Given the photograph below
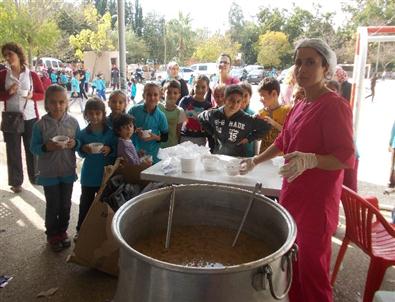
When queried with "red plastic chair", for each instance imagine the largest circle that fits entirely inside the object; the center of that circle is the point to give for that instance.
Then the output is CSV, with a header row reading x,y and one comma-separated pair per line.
x,y
367,228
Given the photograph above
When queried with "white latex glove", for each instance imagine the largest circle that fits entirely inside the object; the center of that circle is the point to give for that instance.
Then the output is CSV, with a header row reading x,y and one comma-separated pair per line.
x,y
298,162
246,165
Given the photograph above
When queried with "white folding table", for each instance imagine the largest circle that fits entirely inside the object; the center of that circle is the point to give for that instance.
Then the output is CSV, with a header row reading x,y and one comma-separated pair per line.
x,y
265,173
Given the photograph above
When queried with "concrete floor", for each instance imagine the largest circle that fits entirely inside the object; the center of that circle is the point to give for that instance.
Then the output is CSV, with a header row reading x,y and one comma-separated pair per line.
x,y
35,268
25,256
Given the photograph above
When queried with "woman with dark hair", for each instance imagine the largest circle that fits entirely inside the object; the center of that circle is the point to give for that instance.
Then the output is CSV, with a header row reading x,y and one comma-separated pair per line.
x,y
224,63
341,77
20,88
317,143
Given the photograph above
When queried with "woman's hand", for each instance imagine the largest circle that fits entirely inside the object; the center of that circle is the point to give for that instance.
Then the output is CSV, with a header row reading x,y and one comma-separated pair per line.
x,y
29,95
298,162
105,150
13,89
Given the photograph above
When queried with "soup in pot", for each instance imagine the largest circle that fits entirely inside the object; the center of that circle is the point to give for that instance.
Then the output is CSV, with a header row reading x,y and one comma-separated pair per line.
x,y
202,246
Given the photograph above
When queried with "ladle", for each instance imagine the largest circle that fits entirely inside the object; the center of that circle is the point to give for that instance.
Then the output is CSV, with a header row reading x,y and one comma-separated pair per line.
x,y
170,217
257,188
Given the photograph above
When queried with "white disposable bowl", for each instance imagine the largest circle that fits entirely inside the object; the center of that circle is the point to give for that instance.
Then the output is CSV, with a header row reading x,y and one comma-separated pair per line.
x,y
188,164
61,140
96,147
232,167
146,133
146,158
278,161
210,163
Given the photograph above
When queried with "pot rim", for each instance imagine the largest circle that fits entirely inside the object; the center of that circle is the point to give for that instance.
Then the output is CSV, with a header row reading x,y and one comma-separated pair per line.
x,y
202,270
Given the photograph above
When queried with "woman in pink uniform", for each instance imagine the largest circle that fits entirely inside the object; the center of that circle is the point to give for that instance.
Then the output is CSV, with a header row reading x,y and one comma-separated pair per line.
x,y
317,142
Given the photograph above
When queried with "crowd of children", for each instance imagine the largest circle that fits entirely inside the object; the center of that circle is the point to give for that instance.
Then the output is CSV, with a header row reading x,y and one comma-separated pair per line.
x,y
220,117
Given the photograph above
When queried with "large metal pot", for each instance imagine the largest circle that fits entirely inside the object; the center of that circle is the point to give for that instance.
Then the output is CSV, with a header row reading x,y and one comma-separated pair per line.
x,y
144,279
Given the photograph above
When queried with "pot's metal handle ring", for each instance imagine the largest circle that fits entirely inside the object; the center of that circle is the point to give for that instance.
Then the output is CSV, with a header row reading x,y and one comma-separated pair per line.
x,y
289,258
267,272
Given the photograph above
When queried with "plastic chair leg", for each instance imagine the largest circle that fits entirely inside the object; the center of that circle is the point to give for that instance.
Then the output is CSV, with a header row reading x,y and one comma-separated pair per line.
x,y
339,259
377,268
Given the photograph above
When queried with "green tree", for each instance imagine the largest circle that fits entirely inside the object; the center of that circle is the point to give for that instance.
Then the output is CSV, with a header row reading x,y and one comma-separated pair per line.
x,y
136,49
367,13
154,27
138,22
129,14
210,49
247,38
101,6
235,18
97,38
297,23
370,13
180,43
272,48
244,32
113,10
30,24
71,20
271,19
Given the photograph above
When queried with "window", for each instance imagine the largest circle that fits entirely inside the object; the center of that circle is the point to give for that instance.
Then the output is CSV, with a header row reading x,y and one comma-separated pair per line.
x,y
203,67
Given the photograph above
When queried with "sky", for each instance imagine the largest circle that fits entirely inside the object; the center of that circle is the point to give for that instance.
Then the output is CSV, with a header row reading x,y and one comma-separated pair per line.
x,y
213,14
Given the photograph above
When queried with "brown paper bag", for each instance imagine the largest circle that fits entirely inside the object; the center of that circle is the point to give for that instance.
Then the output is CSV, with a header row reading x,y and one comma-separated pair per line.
x,y
96,246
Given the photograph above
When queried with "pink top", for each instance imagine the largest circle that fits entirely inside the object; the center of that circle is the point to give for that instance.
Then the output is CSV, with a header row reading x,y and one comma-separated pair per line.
x,y
322,127
231,80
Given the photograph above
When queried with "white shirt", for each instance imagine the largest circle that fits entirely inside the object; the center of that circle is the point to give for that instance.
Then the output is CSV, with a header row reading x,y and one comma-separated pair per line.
x,y
16,102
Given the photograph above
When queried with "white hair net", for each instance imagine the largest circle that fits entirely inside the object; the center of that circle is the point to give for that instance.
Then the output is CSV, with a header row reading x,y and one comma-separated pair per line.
x,y
171,64
323,49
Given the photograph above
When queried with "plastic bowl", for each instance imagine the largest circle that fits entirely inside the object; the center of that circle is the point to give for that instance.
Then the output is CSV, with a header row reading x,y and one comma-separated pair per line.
x,y
210,163
188,164
146,133
61,140
96,147
232,167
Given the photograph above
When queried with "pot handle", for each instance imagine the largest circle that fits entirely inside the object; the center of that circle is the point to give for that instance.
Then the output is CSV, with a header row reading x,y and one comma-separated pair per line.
x,y
266,272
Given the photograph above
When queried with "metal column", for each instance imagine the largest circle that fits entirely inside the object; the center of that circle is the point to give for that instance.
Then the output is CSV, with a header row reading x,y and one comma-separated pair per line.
x,y
122,44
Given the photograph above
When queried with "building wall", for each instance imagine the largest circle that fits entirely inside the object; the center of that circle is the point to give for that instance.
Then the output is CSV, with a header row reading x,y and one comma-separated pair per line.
x,y
101,64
